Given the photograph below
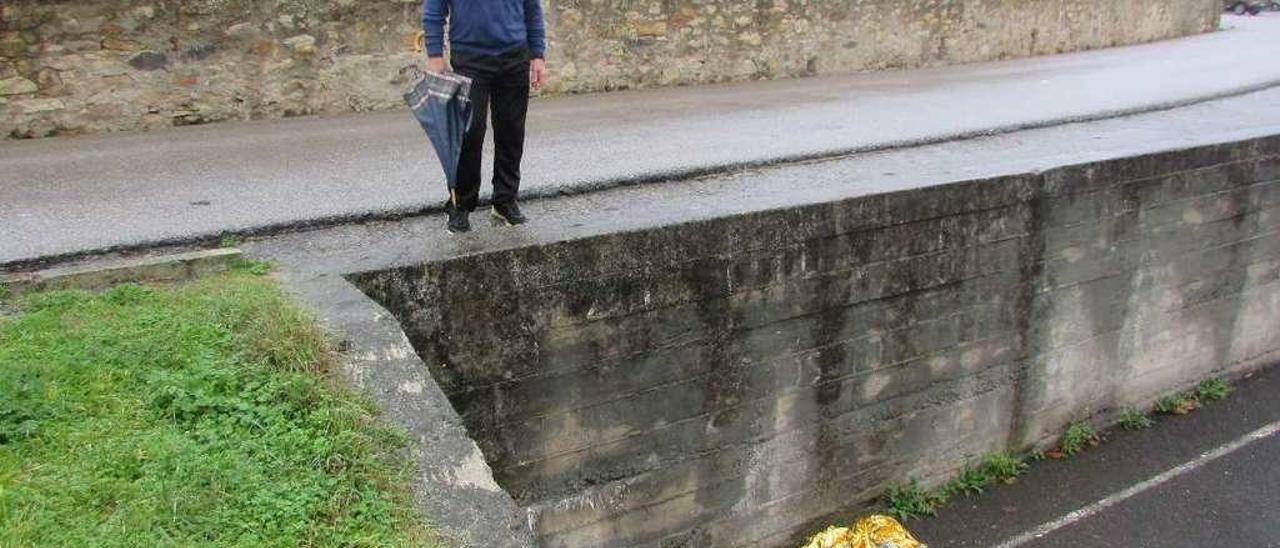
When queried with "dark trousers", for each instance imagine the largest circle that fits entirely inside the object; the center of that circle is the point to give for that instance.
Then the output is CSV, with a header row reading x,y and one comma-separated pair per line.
x,y
500,84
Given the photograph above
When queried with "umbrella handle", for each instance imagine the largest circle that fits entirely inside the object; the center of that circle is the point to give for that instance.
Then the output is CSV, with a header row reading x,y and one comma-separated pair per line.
x,y
420,42
415,72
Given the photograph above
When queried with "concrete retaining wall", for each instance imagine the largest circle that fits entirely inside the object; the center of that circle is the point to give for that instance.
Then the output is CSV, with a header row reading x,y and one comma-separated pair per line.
x,y
107,65
735,381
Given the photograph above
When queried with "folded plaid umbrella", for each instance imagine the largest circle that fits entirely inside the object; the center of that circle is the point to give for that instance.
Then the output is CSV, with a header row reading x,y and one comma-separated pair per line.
x,y
442,105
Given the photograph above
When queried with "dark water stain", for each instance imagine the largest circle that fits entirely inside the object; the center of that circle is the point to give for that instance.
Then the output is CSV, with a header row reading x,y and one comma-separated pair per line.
x,y
1030,275
1111,309
1237,270
724,385
722,390
829,298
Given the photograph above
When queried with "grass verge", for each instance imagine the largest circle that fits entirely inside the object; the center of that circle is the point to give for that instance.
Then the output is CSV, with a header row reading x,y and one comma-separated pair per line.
x,y
191,415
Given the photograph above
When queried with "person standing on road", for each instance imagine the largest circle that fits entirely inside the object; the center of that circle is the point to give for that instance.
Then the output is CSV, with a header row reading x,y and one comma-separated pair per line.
x,y
501,46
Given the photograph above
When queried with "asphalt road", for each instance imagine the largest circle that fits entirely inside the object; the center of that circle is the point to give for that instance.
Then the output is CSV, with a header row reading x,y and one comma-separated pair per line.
x,y
63,196
1234,501
1184,499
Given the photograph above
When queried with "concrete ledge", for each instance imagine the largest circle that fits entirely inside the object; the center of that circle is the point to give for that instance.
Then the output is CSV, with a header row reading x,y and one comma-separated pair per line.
x,y
164,268
455,488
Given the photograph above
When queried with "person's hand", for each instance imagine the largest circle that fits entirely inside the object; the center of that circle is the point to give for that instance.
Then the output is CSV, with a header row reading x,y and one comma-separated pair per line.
x,y
436,64
538,73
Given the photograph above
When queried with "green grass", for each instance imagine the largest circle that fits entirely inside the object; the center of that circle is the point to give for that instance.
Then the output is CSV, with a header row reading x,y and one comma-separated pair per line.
x,y
1077,437
254,266
910,501
196,415
1135,420
1213,389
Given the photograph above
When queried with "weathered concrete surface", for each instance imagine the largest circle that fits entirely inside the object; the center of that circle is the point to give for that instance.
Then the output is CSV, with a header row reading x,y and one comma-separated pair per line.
x,y
1024,156
56,195
159,268
454,486
77,67
728,382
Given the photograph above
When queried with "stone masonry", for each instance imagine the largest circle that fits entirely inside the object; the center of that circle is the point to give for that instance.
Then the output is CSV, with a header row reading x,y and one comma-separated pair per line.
x,y
69,67
738,381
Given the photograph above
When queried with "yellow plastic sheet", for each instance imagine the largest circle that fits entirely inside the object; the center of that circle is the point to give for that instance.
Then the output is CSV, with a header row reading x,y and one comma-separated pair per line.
x,y
870,532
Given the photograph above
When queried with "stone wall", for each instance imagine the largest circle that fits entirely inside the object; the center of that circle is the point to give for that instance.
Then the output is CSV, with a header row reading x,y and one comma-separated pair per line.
x,y
105,65
738,380
619,44
74,67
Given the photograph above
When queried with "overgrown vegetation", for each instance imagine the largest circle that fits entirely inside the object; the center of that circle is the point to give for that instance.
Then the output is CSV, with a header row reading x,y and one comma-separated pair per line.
x,y
193,415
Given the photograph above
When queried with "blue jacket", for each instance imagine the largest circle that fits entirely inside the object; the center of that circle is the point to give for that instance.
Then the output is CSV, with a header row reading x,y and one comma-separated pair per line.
x,y
489,27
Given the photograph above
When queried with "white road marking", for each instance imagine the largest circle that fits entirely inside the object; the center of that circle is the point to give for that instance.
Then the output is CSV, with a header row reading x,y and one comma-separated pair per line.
x,y
1116,498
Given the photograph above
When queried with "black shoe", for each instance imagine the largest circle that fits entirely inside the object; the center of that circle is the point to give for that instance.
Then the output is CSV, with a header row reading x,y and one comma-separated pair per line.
x,y
458,221
509,213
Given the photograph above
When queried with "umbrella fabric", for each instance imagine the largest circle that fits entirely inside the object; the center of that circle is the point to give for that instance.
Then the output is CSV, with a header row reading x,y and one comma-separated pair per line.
x,y
442,105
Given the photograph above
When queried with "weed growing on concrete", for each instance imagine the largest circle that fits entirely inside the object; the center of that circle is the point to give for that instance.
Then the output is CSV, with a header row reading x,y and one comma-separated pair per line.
x,y
4,293
1177,404
1213,390
1135,420
998,467
1004,467
970,481
1078,436
228,240
910,501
